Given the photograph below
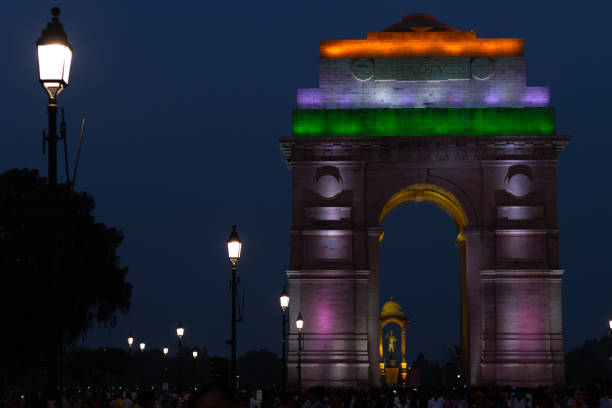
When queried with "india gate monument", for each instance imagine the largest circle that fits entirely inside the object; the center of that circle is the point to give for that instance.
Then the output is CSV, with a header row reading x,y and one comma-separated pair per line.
x,y
422,111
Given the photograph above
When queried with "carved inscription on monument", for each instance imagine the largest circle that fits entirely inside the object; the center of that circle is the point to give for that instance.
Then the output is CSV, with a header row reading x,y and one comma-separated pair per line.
x,y
421,69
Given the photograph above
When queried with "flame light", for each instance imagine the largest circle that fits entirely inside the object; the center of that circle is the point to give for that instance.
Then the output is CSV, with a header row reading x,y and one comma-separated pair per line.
x,y
430,44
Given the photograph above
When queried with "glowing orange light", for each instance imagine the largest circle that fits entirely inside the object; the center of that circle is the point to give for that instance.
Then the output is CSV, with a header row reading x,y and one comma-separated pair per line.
x,y
404,365
422,44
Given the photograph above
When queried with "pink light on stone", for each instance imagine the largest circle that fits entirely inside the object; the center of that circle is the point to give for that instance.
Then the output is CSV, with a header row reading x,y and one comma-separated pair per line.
x,y
323,318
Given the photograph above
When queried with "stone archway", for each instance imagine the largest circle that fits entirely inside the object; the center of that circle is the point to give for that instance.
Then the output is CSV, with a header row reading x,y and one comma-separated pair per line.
x,y
445,200
426,112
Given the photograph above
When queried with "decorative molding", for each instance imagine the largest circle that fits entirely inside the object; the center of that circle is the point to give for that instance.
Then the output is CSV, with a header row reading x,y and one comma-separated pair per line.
x,y
423,148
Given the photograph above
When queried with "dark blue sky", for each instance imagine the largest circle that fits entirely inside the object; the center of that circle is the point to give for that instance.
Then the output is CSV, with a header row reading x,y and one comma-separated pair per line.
x,y
184,104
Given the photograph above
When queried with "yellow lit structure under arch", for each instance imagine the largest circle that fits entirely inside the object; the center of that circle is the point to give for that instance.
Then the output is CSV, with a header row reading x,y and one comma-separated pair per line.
x,y
431,194
392,313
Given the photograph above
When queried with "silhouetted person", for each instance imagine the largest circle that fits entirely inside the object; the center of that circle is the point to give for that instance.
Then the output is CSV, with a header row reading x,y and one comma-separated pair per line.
x,y
211,397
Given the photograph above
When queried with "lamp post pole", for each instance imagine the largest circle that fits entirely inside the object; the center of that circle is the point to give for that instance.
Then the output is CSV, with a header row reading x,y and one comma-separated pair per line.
x,y
299,323
54,58
234,248
131,364
180,331
284,302
234,368
142,365
165,369
54,341
194,353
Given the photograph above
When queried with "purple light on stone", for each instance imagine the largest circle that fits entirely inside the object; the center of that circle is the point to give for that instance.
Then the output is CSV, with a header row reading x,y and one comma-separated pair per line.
x,y
492,97
344,99
384,97
536,96
407,99
309,98
455,98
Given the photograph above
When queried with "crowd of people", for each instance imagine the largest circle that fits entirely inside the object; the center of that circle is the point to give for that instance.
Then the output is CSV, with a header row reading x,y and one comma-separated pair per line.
x,y
320,397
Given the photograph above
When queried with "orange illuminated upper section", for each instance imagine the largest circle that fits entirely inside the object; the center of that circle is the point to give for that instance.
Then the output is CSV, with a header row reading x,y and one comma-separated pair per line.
x,y
422,36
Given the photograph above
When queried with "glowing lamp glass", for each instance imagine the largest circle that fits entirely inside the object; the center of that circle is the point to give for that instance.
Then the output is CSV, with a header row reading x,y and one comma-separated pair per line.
x,y
165,351
130,341
54,66
284,300
234,246
610,323
180,331
195,354
299,323
142,346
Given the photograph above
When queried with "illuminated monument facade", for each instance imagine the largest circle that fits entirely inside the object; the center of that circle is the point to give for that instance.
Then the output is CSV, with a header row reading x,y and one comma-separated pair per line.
x,y
425,112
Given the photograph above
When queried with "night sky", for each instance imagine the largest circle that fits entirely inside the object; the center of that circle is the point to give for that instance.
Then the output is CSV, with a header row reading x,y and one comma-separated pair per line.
x,y
184,104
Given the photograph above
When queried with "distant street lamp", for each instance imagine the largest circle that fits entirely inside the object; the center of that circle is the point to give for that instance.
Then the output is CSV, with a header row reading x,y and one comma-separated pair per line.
x,y
299,324
142,349
165,369
610,329
180,331
284,303
130,343
54,58
194,353
234,248
130,340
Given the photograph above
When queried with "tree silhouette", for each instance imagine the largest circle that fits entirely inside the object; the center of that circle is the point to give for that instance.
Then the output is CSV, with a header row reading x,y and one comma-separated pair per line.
x,y
92,287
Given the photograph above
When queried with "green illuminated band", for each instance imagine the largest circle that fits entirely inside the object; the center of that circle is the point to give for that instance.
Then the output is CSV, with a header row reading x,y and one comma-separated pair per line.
x,y
424,122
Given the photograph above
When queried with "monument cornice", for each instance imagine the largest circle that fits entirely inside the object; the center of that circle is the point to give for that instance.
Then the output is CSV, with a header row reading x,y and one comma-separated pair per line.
x,y
422,148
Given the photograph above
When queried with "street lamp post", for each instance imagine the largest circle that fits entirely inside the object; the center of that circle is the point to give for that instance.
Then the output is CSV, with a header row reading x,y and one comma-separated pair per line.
x,y
131,364
299,324
194,353
180,330
130,343
284,303
165,370
54,58
142,366
234,248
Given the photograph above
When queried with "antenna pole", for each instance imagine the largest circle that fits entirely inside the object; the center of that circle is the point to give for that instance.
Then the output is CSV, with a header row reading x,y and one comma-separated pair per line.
x,y
76,163
63,137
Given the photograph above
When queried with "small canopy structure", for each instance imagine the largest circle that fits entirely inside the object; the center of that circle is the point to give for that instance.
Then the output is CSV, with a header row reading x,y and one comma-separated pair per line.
x,y
392,313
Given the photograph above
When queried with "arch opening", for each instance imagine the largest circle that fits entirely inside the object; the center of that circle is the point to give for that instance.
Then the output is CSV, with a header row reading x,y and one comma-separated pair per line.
x,y
450,204
431,194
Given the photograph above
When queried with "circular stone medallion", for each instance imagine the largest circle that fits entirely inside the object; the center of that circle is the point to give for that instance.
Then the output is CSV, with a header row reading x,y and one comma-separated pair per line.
x,y
328,186
519,185
363,69
482,68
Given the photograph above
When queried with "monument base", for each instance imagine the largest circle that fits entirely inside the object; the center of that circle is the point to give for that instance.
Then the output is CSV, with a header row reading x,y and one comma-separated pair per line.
x,y
392,375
